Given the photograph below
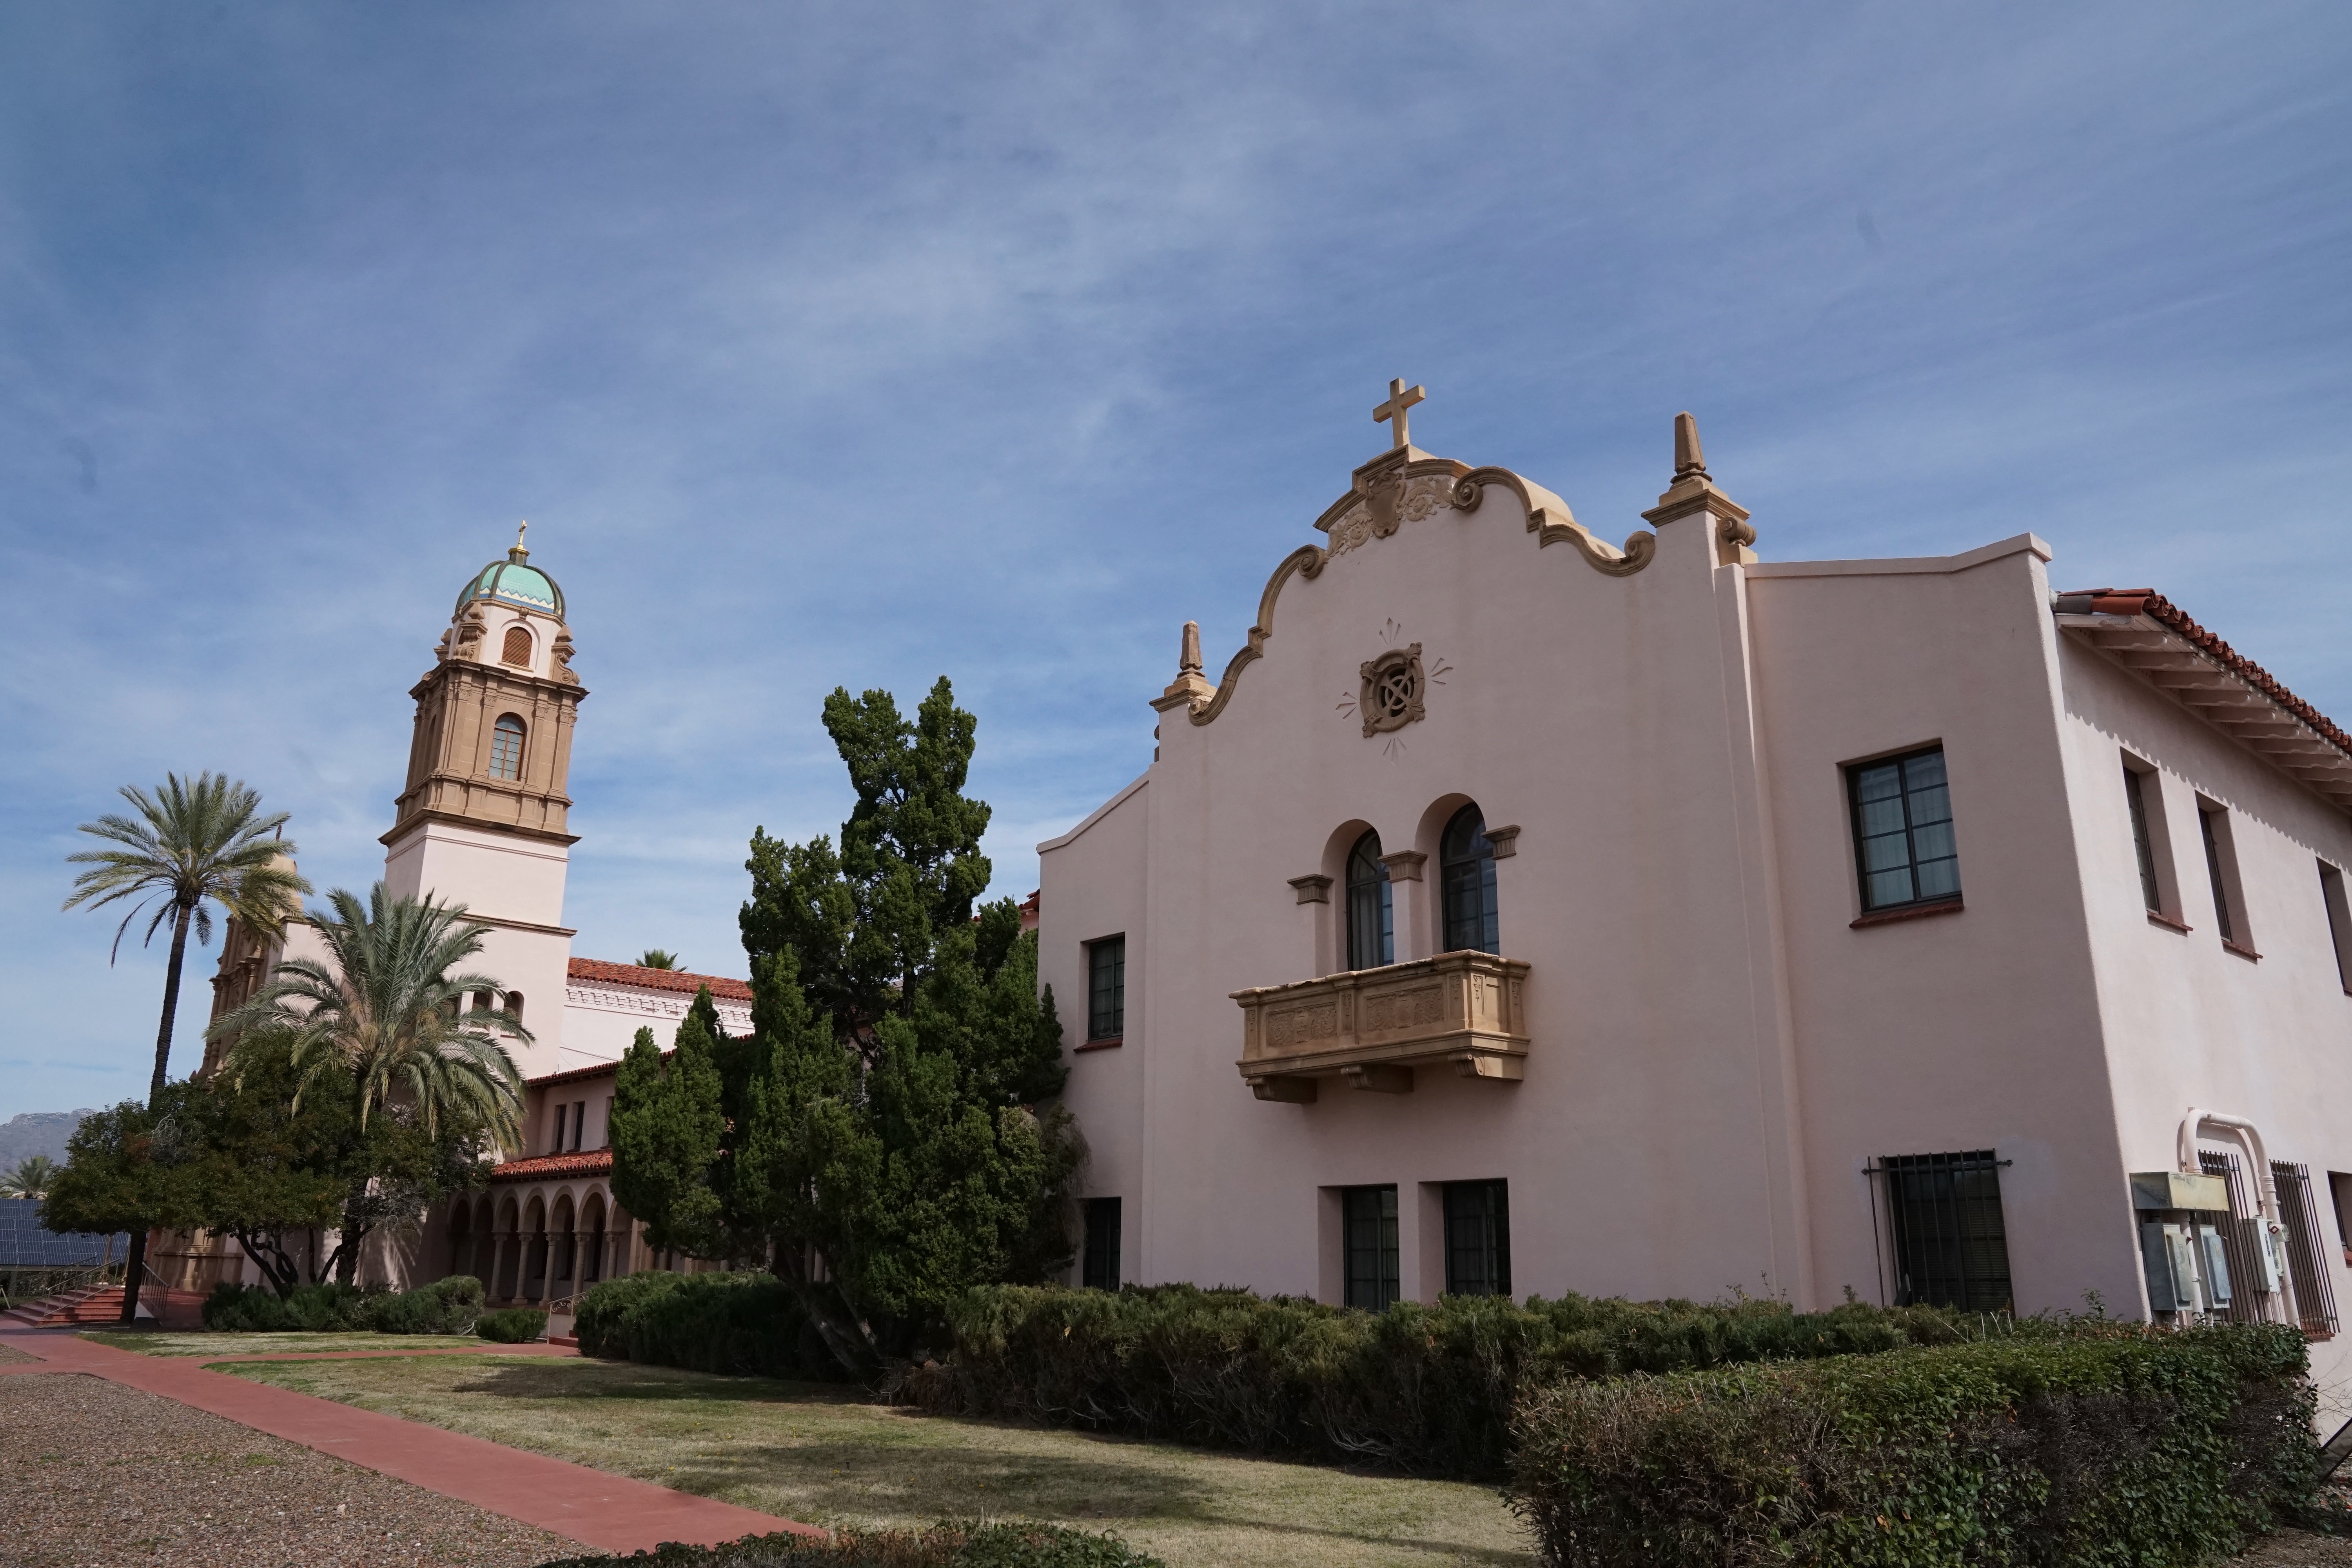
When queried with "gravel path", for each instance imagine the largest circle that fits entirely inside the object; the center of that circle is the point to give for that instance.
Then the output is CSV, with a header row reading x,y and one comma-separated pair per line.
x,y
98,1475
10,1352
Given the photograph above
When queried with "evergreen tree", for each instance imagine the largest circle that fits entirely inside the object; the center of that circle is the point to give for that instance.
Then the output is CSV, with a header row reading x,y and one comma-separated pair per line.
x,y
883,1140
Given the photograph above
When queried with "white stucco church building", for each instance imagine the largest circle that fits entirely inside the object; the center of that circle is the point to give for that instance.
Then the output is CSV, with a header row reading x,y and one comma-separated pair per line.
x,y
1524,912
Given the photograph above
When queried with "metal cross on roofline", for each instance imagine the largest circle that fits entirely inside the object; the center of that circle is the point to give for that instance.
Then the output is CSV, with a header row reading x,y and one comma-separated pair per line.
x,y
1401,398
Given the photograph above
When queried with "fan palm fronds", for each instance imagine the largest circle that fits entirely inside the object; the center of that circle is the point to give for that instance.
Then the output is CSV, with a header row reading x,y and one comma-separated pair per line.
x,y
387,1018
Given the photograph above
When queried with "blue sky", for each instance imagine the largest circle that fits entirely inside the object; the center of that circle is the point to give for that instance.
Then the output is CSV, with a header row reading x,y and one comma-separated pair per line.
x,y
855,345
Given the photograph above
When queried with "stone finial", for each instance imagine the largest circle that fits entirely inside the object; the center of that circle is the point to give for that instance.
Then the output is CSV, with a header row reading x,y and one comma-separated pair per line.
x,y
1190,689
1688,457
1693,493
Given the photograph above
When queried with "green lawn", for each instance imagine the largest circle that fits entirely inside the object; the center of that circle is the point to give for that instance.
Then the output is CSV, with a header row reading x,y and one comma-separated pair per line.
x,y
822,1455
151,1342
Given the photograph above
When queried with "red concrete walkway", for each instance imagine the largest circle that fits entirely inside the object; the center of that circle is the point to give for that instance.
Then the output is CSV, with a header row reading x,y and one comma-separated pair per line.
x,y
611,1513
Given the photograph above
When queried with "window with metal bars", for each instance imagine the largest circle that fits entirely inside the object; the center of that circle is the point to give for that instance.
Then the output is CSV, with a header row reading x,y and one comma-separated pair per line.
x,y
1100,1271
2314,1298
1945,1241
1107,988
1369,1218
1477,1239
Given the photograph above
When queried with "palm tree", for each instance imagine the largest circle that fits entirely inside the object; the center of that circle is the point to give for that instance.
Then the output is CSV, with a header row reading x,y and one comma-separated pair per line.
x,y
656,958
385,1021
30,1179
191,845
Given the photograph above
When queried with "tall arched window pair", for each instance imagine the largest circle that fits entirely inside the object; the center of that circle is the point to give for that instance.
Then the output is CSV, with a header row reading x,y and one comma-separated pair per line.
x,y
1465,893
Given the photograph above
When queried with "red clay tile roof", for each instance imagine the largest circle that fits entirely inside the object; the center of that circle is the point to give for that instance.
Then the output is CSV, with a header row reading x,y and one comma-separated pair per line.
x,y
546,1167
574,1075
2164,611
637,974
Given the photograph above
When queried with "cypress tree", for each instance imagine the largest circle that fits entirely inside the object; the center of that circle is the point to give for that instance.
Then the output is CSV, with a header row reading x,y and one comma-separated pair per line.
x,y
884,1139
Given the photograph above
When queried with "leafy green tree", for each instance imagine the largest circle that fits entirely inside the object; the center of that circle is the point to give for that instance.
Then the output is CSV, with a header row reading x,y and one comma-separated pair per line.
x,y
385,1027
30,1178
883,1139
193,843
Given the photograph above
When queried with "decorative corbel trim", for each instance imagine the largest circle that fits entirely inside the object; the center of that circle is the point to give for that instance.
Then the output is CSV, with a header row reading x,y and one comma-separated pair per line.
x,y
1551,522
1505,840
1307,561
1404,866
1312,889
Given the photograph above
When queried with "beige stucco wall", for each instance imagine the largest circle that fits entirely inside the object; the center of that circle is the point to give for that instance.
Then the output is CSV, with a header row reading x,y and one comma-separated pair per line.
x,y
1719,1049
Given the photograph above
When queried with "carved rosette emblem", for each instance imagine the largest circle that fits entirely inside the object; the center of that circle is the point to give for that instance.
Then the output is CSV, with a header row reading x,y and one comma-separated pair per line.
x,y
1392,689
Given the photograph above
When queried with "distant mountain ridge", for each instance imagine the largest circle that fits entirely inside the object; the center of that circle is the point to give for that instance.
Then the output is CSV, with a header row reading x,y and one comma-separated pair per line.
x,y
38,1133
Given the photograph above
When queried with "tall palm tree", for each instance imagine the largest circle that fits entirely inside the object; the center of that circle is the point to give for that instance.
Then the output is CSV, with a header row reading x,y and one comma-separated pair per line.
x,y
385,1021
193,843
656,958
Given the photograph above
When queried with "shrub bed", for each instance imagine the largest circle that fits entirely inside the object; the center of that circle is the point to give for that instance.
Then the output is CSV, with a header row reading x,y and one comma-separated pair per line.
x,y
745,1322
1425,1389
446,1307
2103,1444
511,1325
951,1545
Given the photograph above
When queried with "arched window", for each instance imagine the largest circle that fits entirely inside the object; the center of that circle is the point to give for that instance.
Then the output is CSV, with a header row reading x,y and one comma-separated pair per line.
x,y
514,1004
506,749
1468,863
518,646
1372,915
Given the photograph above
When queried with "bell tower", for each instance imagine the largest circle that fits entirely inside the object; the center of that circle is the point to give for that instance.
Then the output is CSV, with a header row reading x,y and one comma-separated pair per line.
x,y
482,820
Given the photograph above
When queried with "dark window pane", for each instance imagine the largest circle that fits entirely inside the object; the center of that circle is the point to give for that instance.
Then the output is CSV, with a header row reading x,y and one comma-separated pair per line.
x,y
1100,1270
1905,847
1107,988
1371,917
1477,1239
2135,796
2214,870
1368,1216
1466,889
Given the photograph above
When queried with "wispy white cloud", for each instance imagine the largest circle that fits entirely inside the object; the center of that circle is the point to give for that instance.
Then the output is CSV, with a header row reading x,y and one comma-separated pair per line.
x,y
849,345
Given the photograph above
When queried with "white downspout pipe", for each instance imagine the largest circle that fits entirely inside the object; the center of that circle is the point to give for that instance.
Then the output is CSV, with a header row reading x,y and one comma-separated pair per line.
x,y
2266,1201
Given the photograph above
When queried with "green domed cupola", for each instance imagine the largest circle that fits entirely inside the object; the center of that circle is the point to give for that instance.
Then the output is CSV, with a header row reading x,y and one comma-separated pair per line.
x,y
515,581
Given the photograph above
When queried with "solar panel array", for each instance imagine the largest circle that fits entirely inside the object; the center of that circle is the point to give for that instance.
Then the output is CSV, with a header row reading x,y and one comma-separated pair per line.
x,y
24,1244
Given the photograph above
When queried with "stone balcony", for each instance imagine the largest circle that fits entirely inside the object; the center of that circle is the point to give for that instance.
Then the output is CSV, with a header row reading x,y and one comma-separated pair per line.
x,y
1372,1028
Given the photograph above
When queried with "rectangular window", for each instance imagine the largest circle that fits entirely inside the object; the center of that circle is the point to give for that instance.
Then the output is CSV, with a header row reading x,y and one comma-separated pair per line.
x,y
2222,867
2141,845
1949,1246
1477,1239
1903,831
1107,988
1370,1215
1100,1271
2339,922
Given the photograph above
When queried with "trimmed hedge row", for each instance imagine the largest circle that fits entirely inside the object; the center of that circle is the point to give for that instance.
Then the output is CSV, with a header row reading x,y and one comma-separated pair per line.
x,y
2103,1444
745,1322
949,1545
1425,1389
446,1307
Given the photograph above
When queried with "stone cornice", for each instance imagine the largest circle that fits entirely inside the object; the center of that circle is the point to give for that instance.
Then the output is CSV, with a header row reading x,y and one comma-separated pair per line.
x,y
408,823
